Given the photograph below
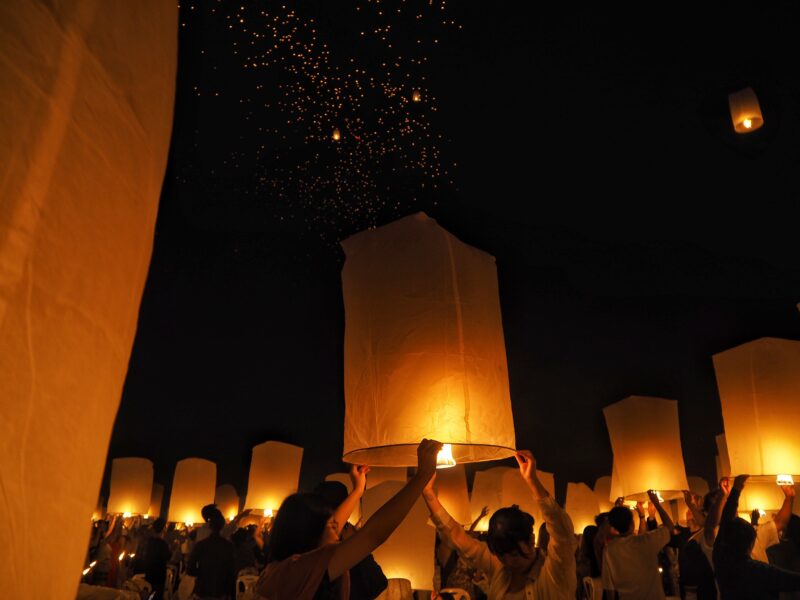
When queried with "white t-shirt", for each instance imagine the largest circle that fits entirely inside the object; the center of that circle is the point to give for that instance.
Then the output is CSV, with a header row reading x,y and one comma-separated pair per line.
x,y
630,565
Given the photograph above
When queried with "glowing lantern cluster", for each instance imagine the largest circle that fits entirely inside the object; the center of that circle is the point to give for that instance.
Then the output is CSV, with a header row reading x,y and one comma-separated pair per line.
x,y
274,475
227,500
193,487
745,111
131,486
646,457
424,348
582,505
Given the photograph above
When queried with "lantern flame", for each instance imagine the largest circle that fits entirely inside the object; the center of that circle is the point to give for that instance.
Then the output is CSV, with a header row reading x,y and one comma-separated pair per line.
x,y
762,513
126,515
147,516
189,524
85,571
445,460
748,123
268,512
122,555
784,480
92,564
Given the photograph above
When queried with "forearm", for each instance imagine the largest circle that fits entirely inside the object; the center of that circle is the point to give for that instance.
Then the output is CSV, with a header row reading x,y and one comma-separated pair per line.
x,y
697,515
346,508
390,515
537,489
642,524
731,507
666,520
782,518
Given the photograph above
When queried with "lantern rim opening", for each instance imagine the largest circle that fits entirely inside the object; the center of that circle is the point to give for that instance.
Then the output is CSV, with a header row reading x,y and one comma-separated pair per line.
x,y
405,455
444,459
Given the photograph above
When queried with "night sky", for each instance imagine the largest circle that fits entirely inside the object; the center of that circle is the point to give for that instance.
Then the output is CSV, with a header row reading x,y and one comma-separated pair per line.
x,y
589,151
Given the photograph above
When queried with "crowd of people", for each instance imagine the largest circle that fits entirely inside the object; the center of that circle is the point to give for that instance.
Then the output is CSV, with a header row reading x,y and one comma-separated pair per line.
x,y
309,551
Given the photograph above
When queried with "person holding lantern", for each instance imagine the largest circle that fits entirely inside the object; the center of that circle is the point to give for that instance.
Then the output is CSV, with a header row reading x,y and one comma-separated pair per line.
x,y
516,569
307,560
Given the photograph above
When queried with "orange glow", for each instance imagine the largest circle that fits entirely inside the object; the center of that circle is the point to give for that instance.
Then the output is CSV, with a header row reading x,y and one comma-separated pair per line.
x,y
336,135
445,460
416,96
745,111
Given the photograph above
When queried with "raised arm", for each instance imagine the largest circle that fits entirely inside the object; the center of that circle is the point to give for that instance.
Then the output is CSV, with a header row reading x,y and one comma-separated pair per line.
x,y
715,512
483,513
642,519
731,508
782,518
691,502
381,525
666,520
358,476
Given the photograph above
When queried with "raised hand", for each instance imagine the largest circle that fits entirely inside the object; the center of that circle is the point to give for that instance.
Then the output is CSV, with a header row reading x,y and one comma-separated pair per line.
x,y
429,490
527,464
484,511
725,485
789,491
739,482
426,457
358,477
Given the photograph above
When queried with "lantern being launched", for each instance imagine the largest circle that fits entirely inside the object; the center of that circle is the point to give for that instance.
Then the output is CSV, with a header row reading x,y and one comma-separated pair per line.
x,y
131,486
424,348
193,487
646,457
274,475
745,111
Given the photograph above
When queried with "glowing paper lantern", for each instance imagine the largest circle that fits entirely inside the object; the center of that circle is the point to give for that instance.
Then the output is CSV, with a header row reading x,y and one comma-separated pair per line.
x,y
602,491
760,493
193,487
408,553
451,488
86,100
723,458
745,111
424,348
516,491
416,96
227,500
378,475
344,478
131,486
698,485
274,474
336,136
759,385
156,498
397,589
582,505
646,457
487,490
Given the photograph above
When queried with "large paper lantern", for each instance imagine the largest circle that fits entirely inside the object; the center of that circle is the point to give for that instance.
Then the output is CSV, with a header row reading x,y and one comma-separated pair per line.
x,y
156,498
487,490
424,349
451,489
408,553
602,491
646,457
274,475
227,500
582,505
516,491
193,487
86,100
745,111
131,486
759,387
723,459
397,589
344,479
378,475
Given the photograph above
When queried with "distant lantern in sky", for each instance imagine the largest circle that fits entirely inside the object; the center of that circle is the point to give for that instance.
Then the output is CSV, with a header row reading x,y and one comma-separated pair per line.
x,y
408,551
745,111
759,387
156,498
424,349
131,486
416,96
193,487
86,98
336,135
227,500
274,475
646,457
582,505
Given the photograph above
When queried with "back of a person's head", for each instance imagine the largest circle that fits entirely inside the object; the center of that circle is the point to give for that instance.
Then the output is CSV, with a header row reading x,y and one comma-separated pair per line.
x,y
587,539
508,527
298,526
159,524
620,518
601,518
207,511
332,493
216,521
738,540
792,530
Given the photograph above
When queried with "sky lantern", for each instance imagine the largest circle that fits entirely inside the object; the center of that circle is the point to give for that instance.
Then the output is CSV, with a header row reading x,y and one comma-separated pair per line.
x,y
759,387
582,505
274,475
514,490
156,499
408,552
227,500
646,457
336,135
487,490
602,490
131,486
193,487
424,349
344,478
745,111
416,96
86,98
378,475
451,488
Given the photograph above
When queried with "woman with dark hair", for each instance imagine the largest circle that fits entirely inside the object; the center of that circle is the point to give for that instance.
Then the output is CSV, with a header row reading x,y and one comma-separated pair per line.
x,y
514,567
307,561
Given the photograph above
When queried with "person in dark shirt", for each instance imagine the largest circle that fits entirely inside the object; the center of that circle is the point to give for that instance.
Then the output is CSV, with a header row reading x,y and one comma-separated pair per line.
x,y
155,557
212,563
739,576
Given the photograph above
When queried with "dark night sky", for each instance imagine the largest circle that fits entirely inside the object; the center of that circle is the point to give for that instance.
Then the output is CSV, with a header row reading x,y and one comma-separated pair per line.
x,y
635,235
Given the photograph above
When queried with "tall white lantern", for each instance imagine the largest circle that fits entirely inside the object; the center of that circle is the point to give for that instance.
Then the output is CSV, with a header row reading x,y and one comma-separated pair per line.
x,y
131,486
487,490
646,457
516,491
274,475
451,488
377,475
86,100
602,491
582,505
227,500
193,487
408,553
424,349
156,498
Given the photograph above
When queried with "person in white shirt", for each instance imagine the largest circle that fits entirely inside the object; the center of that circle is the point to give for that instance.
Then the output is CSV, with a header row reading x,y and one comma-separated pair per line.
x,y
515,569
630,562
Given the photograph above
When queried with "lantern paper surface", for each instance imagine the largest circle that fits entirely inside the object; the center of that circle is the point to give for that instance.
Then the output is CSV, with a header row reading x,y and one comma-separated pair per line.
x,y
646,456
616,486
131,486
698,485
424,350
745,111
344,478
582,505
227,500
397,589
516,491
487,490
408,553
759,387
86,100
602,490
378,475
193,487
724,460
156,498
760,493
451,488
274,475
